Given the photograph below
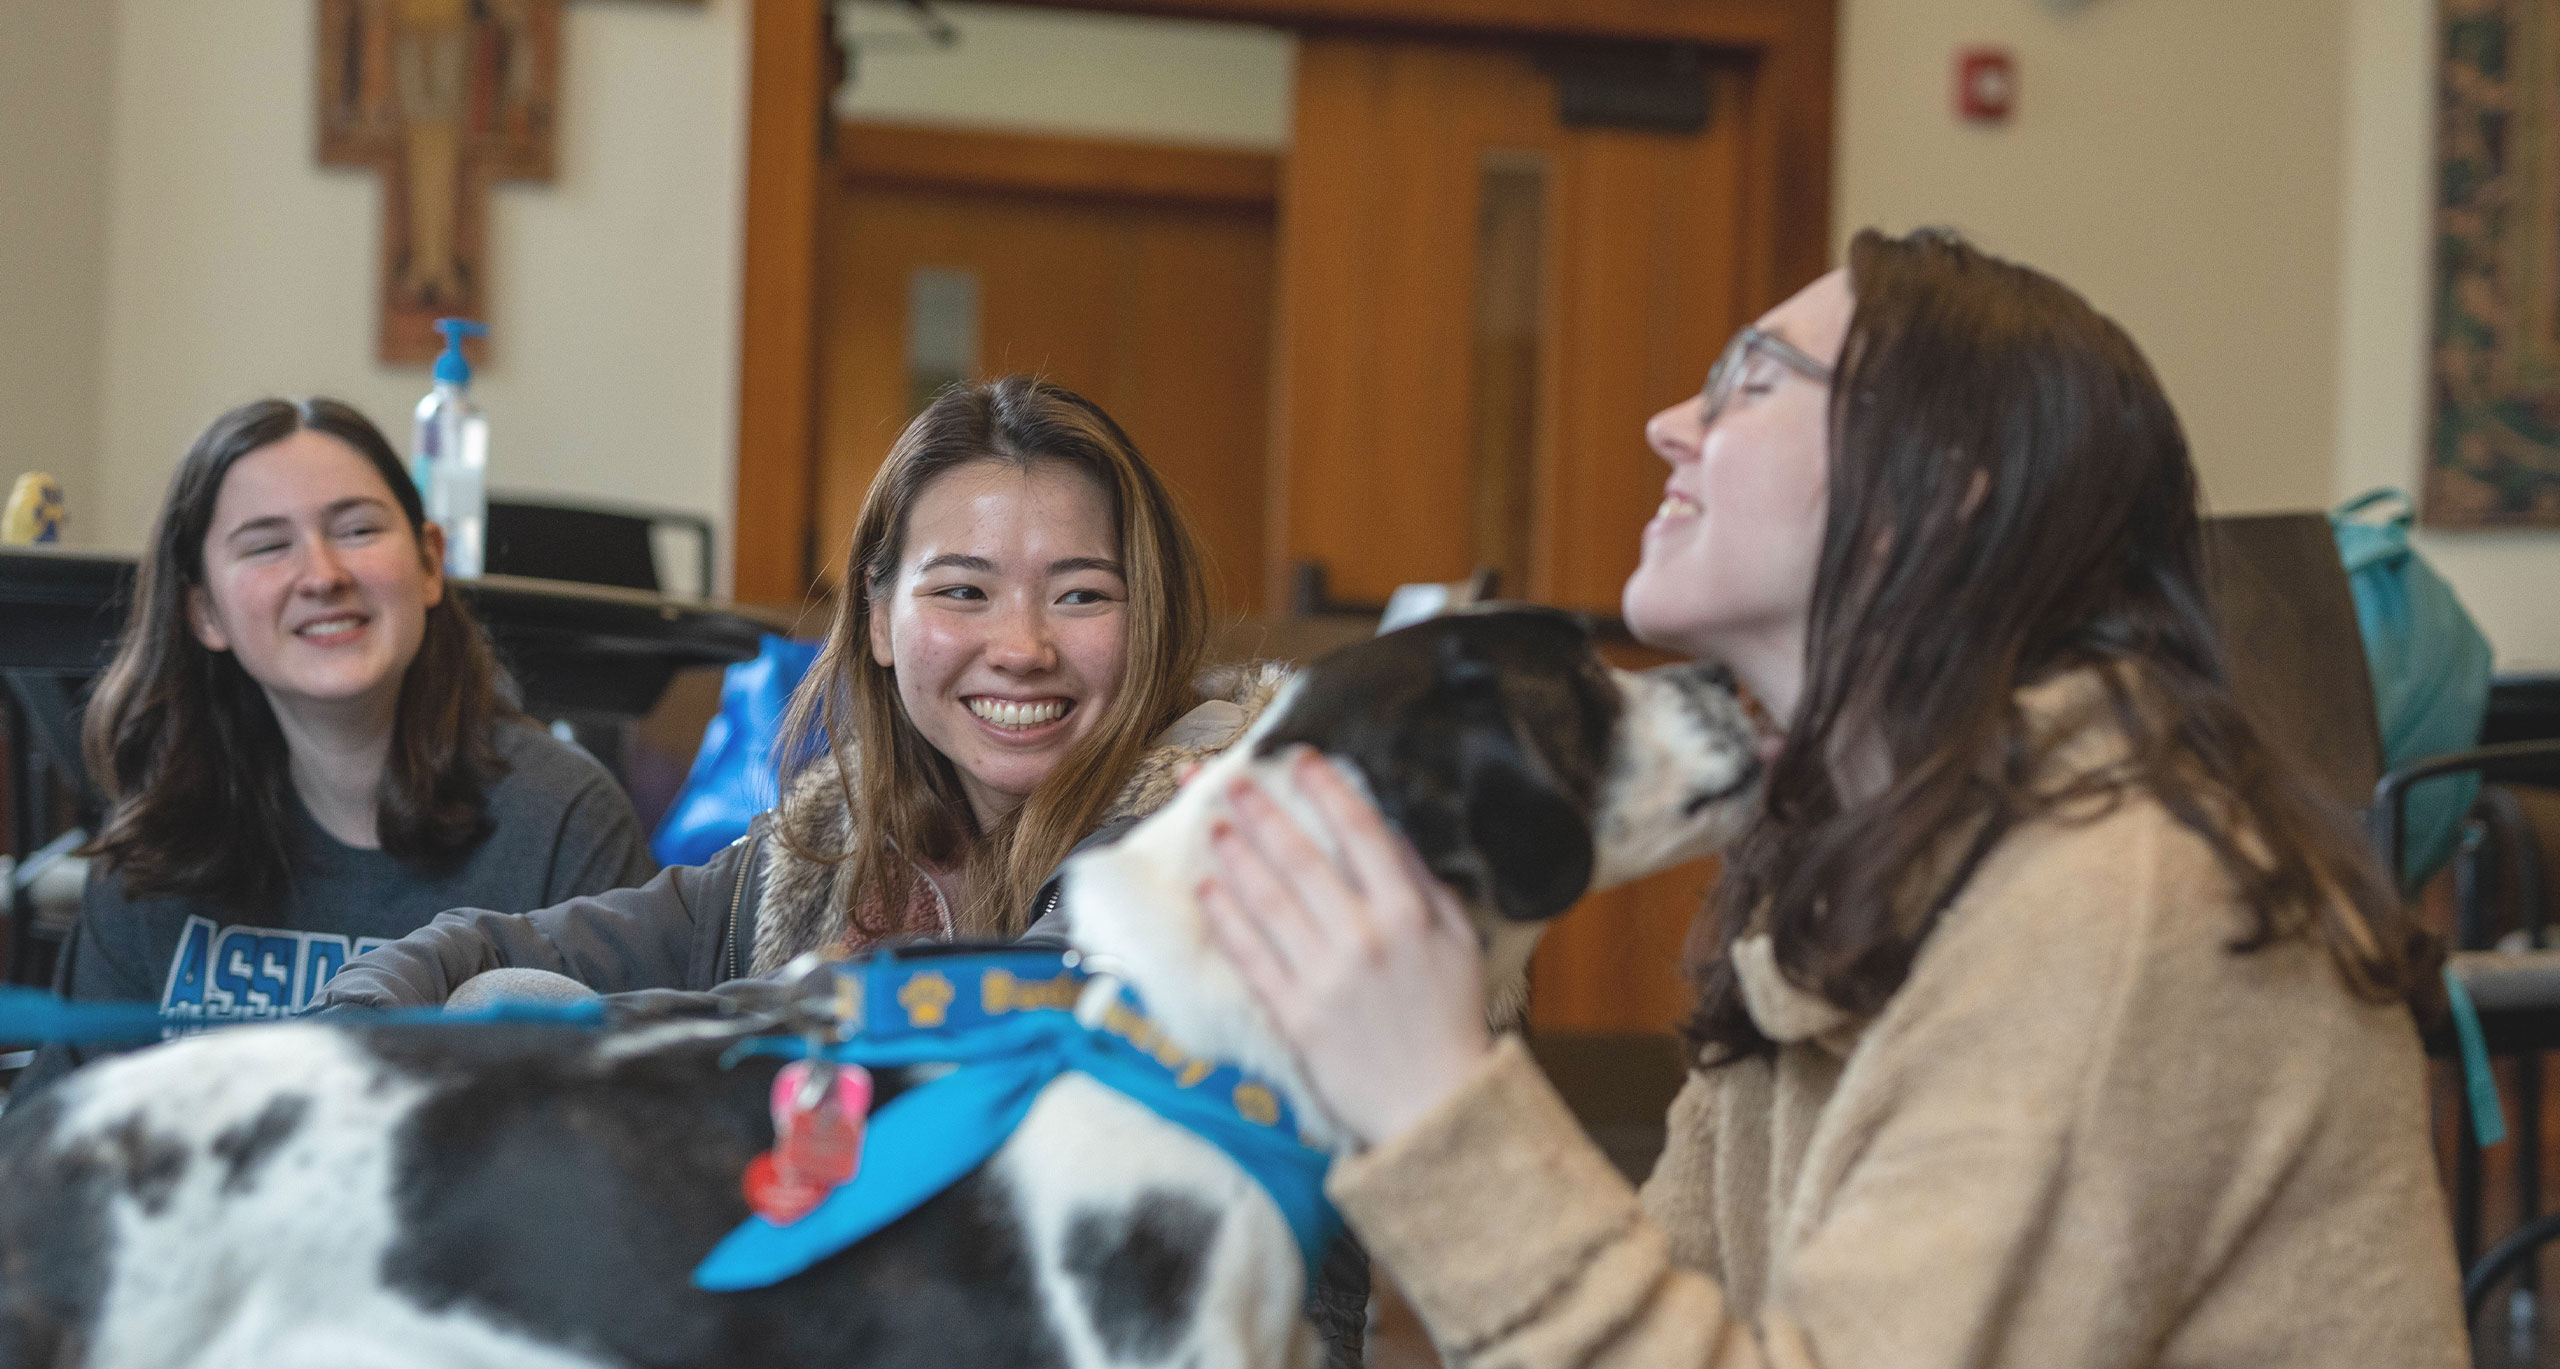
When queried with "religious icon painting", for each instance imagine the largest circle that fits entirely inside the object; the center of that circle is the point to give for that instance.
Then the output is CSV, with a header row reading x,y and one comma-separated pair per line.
x,y
441,97
2494,372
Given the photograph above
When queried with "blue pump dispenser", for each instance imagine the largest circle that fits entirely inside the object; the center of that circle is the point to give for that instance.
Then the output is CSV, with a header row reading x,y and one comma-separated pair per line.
x,y
452,367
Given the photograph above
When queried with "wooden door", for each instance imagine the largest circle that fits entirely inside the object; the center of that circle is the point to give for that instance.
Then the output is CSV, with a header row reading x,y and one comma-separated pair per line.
x,y
1479,307
1138,276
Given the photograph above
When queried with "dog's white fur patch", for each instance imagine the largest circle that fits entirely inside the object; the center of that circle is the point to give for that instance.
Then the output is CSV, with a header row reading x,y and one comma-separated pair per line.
x,y
1135,904
1674,789
1086,1147
288,1271
1682,742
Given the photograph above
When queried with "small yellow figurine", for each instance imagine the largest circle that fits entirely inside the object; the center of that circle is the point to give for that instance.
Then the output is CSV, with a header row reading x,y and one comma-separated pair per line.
x,y
35,511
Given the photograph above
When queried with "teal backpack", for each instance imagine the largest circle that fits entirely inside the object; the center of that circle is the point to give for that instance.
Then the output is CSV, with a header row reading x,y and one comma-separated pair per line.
x,y
2430,667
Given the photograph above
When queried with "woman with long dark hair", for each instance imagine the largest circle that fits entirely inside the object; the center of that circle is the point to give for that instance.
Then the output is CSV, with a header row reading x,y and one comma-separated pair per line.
x,y
2043,1018
304,740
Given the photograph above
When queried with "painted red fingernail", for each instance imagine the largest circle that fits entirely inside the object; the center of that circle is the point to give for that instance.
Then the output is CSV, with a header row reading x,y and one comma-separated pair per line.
x,y
1221,830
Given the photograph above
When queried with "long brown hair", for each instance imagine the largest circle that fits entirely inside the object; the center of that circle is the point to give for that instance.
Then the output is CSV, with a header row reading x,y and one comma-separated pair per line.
x,y
2010,498
186,744
905,797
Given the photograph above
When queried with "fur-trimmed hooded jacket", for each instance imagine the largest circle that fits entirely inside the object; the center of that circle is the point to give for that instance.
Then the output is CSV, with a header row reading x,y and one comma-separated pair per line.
x,y
752,908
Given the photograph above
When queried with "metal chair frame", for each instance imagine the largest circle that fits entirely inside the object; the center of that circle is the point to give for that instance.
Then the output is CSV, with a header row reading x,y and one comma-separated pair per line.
x,y
2507,762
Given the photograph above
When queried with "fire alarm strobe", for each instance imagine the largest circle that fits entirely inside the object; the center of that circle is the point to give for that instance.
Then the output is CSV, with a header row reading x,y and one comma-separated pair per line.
x,y
1986,84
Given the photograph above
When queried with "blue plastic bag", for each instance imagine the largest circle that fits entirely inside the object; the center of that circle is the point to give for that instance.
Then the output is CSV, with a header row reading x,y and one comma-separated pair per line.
x,y
2430,667
733,776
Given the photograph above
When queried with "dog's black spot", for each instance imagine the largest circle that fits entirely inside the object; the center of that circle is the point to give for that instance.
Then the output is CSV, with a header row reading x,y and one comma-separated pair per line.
x,y
245,1147
1338,1302
1139,1269
55,1235
149,1165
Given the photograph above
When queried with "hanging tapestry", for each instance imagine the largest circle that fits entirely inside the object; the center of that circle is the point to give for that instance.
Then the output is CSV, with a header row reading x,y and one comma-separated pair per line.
x,y
2494,438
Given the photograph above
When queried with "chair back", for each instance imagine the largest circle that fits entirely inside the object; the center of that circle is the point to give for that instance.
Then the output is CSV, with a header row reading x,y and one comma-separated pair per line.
x,y
2289,635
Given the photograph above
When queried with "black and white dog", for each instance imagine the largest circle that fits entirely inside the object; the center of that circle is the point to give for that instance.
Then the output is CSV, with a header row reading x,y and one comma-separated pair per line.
x,y
317,1194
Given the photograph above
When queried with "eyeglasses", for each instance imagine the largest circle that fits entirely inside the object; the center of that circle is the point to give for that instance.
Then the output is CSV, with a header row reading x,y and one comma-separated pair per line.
x,y
1727,371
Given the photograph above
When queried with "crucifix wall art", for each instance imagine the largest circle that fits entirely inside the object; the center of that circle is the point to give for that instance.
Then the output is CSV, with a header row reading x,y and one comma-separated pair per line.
x,y
442,97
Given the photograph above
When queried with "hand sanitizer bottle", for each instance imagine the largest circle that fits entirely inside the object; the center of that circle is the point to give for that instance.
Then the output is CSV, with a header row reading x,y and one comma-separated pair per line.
x,y
450,458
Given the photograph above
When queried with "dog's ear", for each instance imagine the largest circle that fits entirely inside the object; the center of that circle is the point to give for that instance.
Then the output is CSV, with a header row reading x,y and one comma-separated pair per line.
x,y
1459,674
1509,836
1534,842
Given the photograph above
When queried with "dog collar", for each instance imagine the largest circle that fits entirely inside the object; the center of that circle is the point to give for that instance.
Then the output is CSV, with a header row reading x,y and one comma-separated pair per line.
x,y
1005,1021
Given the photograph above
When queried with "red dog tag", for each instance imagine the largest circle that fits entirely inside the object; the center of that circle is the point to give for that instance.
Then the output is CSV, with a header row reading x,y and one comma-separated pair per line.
x,y
817,1139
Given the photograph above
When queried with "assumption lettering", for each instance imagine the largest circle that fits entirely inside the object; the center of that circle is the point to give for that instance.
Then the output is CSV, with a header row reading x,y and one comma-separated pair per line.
x,y
245,974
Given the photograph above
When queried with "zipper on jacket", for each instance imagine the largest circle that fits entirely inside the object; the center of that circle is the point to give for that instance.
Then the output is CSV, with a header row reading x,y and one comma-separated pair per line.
x,y
950,929
737,900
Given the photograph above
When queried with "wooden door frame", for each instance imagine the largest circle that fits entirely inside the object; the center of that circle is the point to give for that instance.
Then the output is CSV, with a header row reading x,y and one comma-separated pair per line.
x,y
787,90
1791,44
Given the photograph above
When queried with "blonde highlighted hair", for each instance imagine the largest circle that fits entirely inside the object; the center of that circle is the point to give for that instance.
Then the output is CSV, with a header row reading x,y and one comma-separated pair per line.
x,y
904,797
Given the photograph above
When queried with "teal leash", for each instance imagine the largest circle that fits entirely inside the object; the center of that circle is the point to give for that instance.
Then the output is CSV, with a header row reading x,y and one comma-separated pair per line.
x,y
39,1015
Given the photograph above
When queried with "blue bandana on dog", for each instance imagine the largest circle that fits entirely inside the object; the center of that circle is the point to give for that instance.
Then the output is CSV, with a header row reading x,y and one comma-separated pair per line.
x,y
1005,1020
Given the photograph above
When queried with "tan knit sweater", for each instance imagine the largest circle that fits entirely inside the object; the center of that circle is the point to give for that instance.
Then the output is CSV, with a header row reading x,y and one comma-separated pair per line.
x,y
2083,1133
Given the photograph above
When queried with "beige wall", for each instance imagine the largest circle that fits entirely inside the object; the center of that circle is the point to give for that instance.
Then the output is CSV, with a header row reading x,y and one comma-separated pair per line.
x,y
2245,187
237,267
2176,160
55,63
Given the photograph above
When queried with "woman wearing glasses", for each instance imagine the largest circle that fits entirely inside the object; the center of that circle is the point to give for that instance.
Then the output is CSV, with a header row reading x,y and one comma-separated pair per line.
x,y
2043,1020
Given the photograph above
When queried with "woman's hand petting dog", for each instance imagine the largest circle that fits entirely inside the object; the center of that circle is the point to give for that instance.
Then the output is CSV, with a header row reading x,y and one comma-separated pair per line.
x,y
1368,966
